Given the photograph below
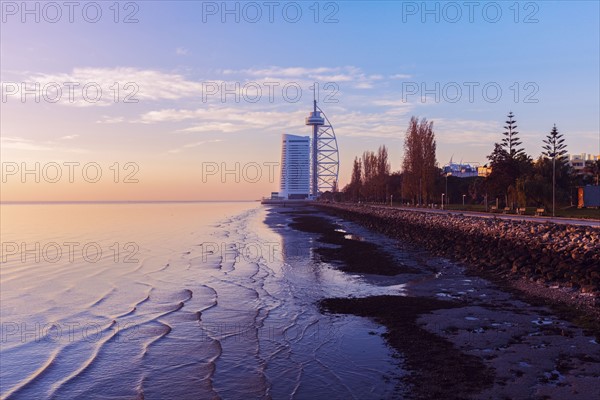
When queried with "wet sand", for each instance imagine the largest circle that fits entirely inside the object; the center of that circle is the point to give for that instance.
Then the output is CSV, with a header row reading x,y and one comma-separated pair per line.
x,y
458,334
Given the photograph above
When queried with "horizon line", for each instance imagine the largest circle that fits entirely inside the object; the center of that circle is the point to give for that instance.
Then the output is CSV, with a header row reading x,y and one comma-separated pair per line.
x,y
15,202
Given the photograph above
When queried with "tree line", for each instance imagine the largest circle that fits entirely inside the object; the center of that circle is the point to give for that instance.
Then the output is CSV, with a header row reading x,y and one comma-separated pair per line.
x,y
516,179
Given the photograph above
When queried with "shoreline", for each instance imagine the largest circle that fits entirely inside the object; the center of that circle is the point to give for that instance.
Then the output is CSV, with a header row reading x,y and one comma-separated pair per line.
x,y
458,334
530,258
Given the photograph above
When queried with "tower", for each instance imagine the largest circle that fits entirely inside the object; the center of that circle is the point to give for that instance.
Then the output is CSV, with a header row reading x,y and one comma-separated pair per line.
x,y
324,164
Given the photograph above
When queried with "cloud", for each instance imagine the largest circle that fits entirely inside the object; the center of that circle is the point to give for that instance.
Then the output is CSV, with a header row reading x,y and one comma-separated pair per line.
x,y
181,51
352,76
192,145
226,119
467,132
224,127
89,87
68,137
110,120
19,143
122,85
396,102
364,85
400,76
287,72
387,121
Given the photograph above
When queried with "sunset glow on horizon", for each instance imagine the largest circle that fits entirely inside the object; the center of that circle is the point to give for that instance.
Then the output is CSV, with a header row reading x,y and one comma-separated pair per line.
x,y
170,99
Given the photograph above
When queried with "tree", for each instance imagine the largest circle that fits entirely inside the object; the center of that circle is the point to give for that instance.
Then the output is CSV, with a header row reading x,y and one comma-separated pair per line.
x,y
369,169
419,165
354,188
508,162
511,141
382,174
555,149
383,165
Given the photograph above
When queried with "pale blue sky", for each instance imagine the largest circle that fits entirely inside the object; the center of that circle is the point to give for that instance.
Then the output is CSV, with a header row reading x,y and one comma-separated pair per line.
x,y
374,52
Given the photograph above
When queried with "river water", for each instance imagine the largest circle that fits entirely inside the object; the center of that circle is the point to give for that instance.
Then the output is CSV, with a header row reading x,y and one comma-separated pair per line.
x,y
178,300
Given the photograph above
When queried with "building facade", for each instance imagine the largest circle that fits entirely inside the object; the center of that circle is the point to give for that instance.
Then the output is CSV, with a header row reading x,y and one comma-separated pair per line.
x,y
295,167
580,162
460,170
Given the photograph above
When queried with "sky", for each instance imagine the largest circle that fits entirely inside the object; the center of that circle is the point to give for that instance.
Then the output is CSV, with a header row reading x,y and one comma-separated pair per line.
x,y
156,100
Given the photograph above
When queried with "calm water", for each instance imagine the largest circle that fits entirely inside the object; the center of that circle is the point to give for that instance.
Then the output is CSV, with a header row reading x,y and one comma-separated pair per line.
x,y
177,300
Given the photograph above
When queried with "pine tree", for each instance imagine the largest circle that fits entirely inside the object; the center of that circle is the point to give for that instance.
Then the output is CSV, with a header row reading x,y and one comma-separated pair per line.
x,y
511,141
555,149
554,146
508,161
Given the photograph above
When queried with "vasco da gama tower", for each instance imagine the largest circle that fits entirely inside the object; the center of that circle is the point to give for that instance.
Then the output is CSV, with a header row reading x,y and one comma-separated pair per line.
x,y
309,164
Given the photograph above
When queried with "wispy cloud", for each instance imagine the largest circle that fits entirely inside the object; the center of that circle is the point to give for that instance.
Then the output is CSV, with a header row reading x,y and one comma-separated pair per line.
x,y
192,145
181,51
225,119
117,85
110,120
467,132
351,76
19,143
400,76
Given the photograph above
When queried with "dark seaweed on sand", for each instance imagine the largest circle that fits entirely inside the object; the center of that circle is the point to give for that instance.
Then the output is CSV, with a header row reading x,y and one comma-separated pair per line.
x,y
349,255
438,369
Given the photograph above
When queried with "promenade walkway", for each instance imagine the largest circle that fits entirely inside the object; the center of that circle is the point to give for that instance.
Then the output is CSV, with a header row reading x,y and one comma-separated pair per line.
x,y
514,217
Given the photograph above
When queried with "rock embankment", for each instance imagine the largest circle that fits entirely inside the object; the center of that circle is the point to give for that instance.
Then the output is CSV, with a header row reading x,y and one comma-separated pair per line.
x,y
554,254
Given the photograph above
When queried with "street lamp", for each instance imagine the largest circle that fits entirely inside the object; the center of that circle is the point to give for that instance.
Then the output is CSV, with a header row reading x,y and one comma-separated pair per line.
x,y
464,199
554,181
443,194
447,174
391,200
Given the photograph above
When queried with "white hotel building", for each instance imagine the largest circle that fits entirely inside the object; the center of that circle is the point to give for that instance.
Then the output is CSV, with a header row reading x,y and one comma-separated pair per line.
x,y
295,167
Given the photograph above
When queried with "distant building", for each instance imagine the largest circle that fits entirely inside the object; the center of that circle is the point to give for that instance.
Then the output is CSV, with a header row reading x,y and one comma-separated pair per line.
x,y
580,162
295,167
484,171
460,170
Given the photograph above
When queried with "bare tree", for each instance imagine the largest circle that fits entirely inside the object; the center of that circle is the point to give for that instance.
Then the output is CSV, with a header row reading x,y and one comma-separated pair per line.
x,y
354,188
419,165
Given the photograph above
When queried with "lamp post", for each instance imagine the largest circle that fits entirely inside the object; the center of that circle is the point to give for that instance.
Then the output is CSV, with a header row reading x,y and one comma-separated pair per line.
x,y
447,173
554,181
391,200
464,199
443,194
